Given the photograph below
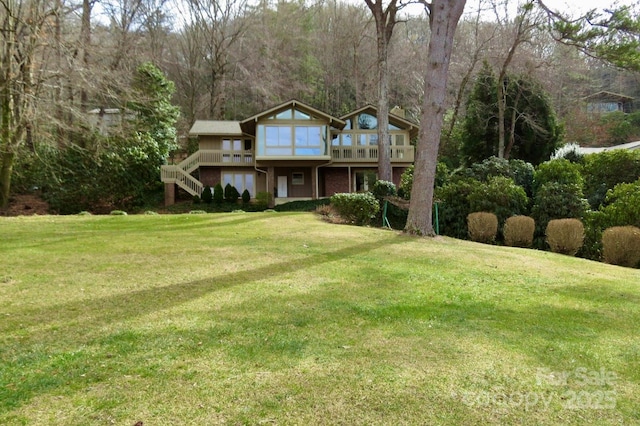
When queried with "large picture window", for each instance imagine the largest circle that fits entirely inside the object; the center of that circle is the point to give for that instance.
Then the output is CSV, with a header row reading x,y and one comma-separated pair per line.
x,y
291,140
241,181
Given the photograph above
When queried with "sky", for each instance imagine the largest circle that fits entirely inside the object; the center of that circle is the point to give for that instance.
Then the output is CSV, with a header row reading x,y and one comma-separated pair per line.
x,y
575,7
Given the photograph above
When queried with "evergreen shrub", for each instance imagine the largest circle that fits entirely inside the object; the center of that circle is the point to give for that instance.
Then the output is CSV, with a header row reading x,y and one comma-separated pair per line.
x,y
246,197
218,194
565,236
483,227
358,208
231,194
518,231
383,188
207,195
621,246
499,195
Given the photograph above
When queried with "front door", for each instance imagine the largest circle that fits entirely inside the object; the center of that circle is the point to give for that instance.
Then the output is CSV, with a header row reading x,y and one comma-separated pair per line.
x,y
282,187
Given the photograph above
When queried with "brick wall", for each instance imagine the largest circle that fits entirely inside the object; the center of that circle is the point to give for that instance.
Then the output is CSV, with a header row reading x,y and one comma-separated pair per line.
x,y
210,176
336,180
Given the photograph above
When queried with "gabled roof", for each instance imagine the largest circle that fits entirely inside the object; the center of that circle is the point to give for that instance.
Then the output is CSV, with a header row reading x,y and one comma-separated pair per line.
x,y
249,125
213,127
396,120
608,95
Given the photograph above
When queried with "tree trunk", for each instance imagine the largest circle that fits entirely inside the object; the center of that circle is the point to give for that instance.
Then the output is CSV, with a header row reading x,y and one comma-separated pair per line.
x,y
385,22
384,150
6,167
502,105
443,21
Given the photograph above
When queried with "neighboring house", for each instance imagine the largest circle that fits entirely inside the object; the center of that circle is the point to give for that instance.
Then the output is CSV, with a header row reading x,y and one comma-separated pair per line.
x,y
594,150
292,151
605,102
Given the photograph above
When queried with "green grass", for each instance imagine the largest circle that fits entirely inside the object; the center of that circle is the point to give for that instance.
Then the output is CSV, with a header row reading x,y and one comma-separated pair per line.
x,y
280,318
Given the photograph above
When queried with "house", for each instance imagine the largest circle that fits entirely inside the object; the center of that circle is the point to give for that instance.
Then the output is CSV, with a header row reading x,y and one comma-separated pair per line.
x,y
605,102
292,151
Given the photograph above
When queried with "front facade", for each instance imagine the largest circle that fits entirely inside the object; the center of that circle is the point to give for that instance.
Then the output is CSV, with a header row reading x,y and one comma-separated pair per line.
x,y
291,151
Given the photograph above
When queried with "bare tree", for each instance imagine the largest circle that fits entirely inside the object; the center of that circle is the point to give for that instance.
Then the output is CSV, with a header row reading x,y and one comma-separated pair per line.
x,y
385,18
443,20
22,31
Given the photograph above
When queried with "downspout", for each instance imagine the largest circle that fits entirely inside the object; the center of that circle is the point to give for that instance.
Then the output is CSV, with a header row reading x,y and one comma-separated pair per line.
x,y
262,171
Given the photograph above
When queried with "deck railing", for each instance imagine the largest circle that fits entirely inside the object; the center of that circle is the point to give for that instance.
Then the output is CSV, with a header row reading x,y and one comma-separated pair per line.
x,y
364,154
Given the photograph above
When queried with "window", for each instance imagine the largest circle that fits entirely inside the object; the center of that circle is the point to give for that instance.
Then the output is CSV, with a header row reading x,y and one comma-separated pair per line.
x,y
297,178
231,145
241,181
364,180
287,141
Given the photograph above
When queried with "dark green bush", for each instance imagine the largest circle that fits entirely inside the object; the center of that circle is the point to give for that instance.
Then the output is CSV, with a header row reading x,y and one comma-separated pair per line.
x,y
218,194
604,170
406,180
622,205
207,195
406,183
556,201
246,197
358,208
491,167
453,206
263,199
520,171
499,195
523,173
559,171
383,188
302,205
231,194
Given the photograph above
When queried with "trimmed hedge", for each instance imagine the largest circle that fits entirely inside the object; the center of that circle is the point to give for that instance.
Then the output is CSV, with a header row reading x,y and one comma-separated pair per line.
x,y
483,227
621,246
565,236
518,231
358,208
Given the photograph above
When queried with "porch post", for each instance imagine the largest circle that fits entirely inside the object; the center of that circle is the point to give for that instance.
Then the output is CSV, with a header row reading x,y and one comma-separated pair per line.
x,y
169,194
314,182
271,180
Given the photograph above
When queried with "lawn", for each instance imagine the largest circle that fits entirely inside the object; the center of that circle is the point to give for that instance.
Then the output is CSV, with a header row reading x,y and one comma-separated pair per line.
x,y
280,318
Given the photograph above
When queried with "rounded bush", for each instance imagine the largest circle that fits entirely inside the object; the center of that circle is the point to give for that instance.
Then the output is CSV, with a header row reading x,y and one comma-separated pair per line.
x,y
499,195
604,170
622,205
565,236
483,227
518,231
560,171
118,213
358,208
383,188
453,204
621,246
556,201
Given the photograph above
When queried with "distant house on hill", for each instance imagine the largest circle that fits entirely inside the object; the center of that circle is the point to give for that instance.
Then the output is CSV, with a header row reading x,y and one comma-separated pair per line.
x,y
605,102
291,151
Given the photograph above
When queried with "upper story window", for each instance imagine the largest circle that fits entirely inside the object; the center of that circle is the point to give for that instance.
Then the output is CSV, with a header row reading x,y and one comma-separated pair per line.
x,y
291,140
